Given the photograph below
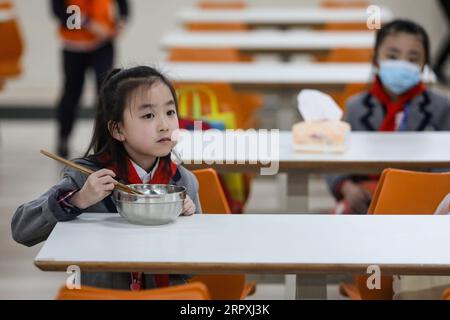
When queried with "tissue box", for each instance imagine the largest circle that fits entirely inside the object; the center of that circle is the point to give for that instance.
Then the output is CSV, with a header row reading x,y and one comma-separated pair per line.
x,y
320,136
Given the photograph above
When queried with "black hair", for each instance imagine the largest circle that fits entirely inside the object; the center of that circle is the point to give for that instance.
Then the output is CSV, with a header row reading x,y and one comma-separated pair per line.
x,y
406,26
114,94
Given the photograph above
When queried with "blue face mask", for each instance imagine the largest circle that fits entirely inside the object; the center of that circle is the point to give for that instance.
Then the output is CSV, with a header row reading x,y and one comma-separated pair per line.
x,y
398,76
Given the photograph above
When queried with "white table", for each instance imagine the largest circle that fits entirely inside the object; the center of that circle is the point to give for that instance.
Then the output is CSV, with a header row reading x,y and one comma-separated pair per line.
x,y
313,245
266,77
282,17
275,76
266,151
279,42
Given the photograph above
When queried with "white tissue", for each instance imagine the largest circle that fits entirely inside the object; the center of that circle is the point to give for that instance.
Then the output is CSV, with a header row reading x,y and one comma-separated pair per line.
x,y
315,105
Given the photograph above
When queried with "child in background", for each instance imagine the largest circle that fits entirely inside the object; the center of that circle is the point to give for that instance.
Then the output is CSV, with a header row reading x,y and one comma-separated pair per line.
x,y
131,143
396,101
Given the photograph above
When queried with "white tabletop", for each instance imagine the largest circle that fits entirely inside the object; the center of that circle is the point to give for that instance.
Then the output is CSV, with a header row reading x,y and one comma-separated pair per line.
x,y
270,40
275,75
281,15
269,74
252,244
365,151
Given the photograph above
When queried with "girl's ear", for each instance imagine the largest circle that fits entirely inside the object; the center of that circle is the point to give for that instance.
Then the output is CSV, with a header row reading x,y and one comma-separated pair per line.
x,y
115,132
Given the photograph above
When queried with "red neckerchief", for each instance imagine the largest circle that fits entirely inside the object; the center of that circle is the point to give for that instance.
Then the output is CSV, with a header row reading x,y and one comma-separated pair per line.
x,y
392,108
161,176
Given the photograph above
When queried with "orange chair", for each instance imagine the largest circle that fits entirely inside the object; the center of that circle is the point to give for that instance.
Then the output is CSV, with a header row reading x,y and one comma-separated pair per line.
x,y
192,291
12,46
347,55
207,55
211,5
400,192
349,91
211,194
446,295
343,4
203,26
213,200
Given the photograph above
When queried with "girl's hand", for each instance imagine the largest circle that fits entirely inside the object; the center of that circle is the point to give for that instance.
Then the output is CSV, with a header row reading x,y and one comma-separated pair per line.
x,y
98,186
357,197
188,207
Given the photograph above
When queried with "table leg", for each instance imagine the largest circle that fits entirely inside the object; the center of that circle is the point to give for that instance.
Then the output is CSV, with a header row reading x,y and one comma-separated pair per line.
x,y
297,192
287,112
305,287
290,287
311,287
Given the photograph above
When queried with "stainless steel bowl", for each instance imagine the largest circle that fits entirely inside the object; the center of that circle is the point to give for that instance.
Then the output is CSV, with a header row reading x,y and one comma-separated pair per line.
x,y
160,204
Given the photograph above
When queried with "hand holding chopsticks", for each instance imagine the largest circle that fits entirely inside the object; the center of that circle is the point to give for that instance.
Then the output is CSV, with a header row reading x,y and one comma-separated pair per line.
x,y
87,171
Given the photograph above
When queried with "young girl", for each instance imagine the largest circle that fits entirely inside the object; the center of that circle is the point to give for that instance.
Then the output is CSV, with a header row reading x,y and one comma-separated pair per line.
x,y
136,117
396,101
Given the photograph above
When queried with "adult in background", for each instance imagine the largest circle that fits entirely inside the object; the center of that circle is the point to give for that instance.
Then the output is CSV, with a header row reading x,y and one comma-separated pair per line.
x,y
89,46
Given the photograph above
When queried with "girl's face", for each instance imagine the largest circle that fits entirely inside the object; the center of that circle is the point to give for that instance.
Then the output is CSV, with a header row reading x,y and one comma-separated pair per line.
x,y
149,120
402,46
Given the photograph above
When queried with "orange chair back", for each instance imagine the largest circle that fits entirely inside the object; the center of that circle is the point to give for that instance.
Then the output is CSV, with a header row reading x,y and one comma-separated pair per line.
x,y
203,26
347,55
12,48
211,195
343,4
192,291
211,5
403,192
446,295
223,287
409,192
350,90
207,55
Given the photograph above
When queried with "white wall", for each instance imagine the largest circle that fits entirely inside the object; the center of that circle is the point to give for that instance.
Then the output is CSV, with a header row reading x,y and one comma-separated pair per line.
x,y
41,79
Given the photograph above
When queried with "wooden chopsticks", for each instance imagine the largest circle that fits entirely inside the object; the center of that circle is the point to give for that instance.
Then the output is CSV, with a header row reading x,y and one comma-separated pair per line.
x,y
87,171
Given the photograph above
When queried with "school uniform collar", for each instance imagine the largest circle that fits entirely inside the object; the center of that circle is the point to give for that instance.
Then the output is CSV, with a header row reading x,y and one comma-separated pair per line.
x,y
392,108
142,173
163,172
420,115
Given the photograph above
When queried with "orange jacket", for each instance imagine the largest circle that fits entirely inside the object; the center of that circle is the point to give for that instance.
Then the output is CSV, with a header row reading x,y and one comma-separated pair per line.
x,y
11,38
99,11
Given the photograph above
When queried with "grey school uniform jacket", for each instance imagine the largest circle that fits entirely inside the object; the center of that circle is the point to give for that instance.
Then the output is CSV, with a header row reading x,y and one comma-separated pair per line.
x,y
33,221
427,112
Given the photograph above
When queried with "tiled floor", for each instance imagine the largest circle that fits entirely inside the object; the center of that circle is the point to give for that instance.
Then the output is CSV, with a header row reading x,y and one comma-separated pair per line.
x,y
25,173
